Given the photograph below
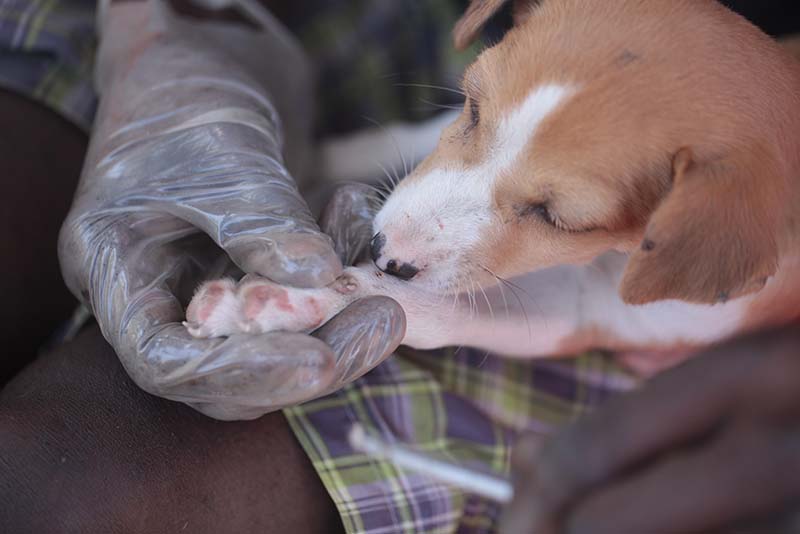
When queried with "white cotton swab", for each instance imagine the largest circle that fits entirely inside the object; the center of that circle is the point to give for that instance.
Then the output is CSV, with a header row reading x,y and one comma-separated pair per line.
x,y
491,487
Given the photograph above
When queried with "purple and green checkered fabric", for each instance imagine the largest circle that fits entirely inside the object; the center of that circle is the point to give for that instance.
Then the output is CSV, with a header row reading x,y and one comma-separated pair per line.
x,y
47,52
462,405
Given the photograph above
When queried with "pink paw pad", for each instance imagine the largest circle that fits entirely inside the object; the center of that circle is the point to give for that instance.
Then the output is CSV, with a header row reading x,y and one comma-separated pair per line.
x,y
257,306
267,307
214,310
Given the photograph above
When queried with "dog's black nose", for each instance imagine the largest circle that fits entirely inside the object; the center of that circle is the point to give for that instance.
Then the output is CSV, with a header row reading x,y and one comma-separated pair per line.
x,y
376,246
403,271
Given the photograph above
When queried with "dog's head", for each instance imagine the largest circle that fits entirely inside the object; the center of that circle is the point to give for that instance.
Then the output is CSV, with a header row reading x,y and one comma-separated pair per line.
x,y
645,127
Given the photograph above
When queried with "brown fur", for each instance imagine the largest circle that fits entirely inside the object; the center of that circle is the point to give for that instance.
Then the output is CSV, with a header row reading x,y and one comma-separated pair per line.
x,y
479,12
689,82
713,238
471,23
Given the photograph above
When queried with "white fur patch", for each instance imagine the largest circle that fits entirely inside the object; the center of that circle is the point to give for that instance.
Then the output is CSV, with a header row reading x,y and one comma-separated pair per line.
x,y
435,219
518,127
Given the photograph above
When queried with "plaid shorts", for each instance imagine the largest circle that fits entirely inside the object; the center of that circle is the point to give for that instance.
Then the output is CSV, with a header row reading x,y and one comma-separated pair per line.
x,y
463,405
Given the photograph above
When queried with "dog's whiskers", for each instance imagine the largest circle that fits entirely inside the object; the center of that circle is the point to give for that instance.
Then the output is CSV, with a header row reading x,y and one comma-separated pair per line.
x,y
473,307
512,287
456,294
501,286
389,184
468,292
441,106
471,296
380,193
396,146
429,86
383,187
535,302
486,298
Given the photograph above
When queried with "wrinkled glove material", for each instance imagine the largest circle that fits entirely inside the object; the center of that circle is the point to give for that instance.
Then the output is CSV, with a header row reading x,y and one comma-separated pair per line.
x,y
184,181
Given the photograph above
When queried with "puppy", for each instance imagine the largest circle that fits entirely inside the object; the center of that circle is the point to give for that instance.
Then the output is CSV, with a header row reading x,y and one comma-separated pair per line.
x,y
624,174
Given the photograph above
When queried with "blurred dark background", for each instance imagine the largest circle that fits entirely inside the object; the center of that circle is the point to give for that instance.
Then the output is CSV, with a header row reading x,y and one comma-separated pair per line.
x,y
775,17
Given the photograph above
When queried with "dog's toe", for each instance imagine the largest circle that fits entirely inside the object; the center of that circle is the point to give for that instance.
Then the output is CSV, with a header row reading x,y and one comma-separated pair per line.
x,y
214,310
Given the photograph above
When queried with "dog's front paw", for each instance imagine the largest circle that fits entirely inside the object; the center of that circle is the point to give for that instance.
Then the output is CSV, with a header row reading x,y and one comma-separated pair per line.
x,y
267,307
214,310
257,306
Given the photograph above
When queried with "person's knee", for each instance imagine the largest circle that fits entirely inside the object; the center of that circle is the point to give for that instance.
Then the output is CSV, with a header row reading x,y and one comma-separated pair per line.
x,y
85,450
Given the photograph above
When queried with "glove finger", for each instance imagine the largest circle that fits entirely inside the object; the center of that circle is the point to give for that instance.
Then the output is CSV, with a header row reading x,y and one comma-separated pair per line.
x,y
203,144
239,377
142,263
347,219
363,335
224,175
233,186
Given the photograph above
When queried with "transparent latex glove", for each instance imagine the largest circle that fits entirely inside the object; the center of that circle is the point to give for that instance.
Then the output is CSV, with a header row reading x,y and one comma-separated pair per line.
x,y
184,181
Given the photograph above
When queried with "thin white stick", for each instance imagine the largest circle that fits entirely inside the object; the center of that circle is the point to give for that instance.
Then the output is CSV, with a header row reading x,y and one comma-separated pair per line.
x,y
491,487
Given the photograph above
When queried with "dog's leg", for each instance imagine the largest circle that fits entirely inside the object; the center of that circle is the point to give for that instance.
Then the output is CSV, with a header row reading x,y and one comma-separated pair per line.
x,y
505,320
562,310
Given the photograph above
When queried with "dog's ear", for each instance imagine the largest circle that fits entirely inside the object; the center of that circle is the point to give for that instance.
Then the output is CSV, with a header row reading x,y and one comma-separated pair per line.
x,y
478,14
792,45
713,237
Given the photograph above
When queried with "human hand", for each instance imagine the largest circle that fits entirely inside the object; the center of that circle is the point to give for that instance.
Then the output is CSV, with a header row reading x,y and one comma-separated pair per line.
x,y
711,446
184,181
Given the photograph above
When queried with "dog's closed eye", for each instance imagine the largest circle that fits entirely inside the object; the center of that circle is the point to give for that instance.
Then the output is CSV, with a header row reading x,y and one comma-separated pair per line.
x,y
539,210
543,212
474,115
472,90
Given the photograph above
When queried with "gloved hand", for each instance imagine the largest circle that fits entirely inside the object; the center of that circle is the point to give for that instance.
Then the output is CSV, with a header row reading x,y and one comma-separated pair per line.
x,y
184,181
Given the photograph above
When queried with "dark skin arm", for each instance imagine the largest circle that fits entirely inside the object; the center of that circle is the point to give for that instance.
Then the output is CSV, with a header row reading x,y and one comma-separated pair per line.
x,y
42,156
711,446
84,450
